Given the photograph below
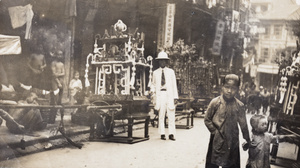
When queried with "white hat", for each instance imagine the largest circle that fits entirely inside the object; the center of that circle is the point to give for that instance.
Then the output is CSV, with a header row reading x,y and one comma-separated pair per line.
x,y
162,55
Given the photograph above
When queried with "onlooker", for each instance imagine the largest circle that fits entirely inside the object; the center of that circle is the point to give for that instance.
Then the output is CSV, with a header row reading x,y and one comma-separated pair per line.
x,y
11,122
34,71
259,148
273,96
166,94
30,118
265,97
74,87
57,83
253,100
58,73
222,117
23,120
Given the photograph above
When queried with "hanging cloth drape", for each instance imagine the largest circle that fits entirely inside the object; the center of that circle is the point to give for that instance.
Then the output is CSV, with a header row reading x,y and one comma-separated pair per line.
x,y
10,45
70,8
19,15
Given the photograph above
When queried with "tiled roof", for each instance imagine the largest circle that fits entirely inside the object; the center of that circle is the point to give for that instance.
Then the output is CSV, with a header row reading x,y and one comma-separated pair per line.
x,y
295,15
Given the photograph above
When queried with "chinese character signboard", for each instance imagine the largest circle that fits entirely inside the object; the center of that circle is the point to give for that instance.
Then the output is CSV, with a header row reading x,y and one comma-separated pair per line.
x,y
160,34
169,25
217,45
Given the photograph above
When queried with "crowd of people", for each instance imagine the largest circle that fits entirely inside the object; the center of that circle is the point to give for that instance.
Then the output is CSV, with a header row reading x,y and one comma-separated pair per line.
x,y
256,101
224,116
39,79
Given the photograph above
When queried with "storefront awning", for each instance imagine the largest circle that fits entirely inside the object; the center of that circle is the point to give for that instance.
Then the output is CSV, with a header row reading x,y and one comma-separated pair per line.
x,y
268,68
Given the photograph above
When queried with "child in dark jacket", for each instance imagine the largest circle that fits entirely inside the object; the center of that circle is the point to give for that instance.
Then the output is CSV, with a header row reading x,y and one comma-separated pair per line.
x,y
259,148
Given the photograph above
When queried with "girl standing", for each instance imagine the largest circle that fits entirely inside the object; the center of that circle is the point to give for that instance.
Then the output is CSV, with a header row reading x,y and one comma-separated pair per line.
x,y
74,87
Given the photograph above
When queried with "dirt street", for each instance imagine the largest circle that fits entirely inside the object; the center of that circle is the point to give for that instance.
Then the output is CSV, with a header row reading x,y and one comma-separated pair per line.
x,y
188,151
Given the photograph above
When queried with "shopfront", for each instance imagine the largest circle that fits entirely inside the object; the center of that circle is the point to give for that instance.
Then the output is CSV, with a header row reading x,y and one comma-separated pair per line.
x,y
267,76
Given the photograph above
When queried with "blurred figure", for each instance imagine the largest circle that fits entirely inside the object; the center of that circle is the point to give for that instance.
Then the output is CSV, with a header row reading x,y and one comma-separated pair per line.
x,y
265,97
252,99
74,87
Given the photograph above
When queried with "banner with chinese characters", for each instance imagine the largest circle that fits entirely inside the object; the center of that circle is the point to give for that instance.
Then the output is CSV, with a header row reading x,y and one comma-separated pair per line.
x,y
169,30
217,45
160,34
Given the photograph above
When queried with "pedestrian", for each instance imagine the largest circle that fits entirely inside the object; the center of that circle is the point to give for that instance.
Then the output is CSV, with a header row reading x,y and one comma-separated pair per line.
x,y
223,115
265,97
259,147
253,99
165,92
257,103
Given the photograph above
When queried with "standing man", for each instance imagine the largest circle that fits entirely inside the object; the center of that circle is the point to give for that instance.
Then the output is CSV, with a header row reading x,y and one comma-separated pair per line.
x,y
165,92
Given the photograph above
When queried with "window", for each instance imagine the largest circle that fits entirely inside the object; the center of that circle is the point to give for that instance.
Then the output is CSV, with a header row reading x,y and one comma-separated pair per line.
x,y
278,31
290,35
267,32
265,52
264,55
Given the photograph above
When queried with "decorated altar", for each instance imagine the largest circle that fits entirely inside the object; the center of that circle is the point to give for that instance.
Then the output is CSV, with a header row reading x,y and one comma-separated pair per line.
x,y
118,63
117,72
285,111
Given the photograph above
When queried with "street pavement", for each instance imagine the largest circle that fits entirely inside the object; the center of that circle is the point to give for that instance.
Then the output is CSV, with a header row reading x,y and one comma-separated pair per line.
x,y
188,151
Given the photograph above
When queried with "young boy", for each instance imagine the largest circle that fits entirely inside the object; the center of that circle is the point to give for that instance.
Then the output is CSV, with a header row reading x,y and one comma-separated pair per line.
x,y
259,148
222,117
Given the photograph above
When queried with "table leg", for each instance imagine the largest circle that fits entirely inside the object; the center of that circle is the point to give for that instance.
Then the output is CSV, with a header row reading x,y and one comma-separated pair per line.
x,y
147,127
192,119
188,120
111,133
130,124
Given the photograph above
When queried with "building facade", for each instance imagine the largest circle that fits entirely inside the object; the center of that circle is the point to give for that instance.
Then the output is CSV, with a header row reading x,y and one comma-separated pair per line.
x,y
274,38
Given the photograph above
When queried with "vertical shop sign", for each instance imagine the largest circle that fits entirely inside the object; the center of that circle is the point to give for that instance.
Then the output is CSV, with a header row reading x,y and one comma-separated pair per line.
x,y
169,27
217,45
253,71
160,34
235,22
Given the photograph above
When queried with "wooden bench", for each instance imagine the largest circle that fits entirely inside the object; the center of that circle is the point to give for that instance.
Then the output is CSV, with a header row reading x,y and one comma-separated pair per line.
x,y
182,109
200,104
189,115
130,139
134,110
